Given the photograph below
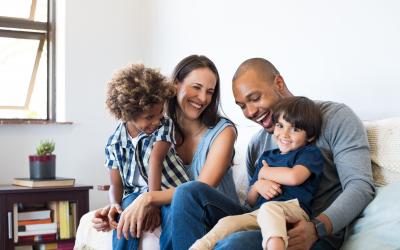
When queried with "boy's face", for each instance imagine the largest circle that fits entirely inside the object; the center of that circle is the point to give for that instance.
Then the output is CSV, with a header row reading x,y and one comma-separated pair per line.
x,y
148,121
288,137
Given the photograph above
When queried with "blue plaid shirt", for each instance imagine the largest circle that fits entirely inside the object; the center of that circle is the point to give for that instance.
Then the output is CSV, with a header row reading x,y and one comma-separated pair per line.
x,y
121,154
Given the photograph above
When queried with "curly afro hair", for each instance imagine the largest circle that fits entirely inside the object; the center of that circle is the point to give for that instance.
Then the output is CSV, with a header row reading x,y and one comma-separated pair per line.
x,y
134,89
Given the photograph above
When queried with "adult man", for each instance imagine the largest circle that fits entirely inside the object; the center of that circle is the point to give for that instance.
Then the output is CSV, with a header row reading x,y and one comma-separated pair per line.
x,y
346,185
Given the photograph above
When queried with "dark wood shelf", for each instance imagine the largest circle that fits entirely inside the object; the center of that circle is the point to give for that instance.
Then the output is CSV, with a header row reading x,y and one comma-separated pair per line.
x,y
43,242
11,194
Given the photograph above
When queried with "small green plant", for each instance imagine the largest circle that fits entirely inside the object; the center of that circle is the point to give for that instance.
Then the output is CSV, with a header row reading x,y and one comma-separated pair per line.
x,y
45,147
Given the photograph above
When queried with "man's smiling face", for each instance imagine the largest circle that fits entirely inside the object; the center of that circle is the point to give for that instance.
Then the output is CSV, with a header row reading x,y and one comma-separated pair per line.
x,y
256,97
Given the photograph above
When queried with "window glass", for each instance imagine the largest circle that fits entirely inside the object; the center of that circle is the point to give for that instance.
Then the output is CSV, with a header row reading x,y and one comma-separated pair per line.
x,y
24,77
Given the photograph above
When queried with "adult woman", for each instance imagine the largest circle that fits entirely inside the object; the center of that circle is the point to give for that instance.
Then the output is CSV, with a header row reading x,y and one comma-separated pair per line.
x,y
204,143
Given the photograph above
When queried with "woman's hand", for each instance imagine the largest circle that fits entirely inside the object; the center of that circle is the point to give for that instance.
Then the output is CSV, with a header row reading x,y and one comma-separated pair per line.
x,y
100,219
268,189
132,219
114,210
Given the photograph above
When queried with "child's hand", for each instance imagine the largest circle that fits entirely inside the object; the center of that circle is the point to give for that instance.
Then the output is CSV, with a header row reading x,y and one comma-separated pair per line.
x,y
267,188
100,219
112,214
264,170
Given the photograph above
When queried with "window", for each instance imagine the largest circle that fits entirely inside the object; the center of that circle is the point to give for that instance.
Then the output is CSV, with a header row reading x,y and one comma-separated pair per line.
x,y
26,60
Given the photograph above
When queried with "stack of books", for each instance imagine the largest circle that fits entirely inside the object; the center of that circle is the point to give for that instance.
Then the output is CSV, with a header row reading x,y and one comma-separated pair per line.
x,y
53,221
36,226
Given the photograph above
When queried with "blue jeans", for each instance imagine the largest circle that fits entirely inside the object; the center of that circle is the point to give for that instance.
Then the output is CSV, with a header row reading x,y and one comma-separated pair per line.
x,y
132,243
252,240
195,209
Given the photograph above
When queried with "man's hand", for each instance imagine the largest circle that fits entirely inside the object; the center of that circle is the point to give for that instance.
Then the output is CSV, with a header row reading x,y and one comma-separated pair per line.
x,y
268,189
302,235
100,219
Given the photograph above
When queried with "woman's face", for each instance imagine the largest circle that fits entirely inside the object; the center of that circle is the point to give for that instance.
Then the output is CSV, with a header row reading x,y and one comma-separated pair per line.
x,y
195,92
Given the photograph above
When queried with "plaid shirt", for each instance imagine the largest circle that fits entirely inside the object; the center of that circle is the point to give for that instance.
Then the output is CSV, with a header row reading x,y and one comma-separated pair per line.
x,y
120,152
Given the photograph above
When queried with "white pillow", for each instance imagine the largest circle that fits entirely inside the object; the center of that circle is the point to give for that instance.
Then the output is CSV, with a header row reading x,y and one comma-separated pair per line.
x,y
384,140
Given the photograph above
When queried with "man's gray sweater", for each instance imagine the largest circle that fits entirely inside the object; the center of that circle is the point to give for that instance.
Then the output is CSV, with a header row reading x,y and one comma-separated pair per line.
x,y
346,185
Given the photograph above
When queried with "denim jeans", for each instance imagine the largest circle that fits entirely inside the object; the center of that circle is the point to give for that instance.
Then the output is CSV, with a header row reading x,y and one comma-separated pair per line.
x,y
166,234
252,240
132,243
195,209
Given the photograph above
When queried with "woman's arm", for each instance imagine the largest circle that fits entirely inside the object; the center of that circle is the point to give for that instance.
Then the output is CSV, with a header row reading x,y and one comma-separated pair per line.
x,y
219,157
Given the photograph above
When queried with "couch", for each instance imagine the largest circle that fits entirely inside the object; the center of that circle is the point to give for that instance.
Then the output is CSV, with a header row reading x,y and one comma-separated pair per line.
x,y
377,227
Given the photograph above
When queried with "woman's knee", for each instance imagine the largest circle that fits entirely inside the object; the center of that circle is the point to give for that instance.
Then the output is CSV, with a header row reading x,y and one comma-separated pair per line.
x,y
189,190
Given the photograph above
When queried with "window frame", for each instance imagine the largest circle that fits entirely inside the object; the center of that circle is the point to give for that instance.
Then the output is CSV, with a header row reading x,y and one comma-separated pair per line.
x,y
24,28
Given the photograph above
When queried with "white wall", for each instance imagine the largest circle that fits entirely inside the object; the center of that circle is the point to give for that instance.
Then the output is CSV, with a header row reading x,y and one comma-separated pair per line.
x,y
101,36
345,51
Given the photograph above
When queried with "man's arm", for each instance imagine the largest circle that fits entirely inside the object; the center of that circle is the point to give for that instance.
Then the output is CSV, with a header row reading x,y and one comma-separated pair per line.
x,y
350,151
344,145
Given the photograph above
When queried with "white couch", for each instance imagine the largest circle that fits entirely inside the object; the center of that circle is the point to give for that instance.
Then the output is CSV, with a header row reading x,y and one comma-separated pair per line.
x,y
378,227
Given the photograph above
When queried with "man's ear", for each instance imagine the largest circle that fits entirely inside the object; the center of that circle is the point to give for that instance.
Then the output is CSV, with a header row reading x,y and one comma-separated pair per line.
x,y
280,84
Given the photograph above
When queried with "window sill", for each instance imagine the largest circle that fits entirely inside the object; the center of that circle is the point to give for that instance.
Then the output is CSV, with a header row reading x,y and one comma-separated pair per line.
x,y
29,122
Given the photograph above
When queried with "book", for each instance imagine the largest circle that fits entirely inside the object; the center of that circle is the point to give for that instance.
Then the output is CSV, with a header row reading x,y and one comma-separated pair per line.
x,y
36,227
32,222
15,222
36,238
65,232
57,182
54,206
23,247
34,215
48,246
38,232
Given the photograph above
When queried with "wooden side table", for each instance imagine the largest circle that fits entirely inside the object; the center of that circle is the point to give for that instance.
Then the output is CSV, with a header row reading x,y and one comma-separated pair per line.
x,y
10,195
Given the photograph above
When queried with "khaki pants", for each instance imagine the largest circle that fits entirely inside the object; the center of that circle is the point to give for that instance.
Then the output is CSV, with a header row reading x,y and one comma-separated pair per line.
x,y
270,218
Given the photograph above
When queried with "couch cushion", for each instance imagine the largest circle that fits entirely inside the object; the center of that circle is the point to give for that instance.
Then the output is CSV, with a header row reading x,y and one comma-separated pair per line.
x,y
384,140
378,225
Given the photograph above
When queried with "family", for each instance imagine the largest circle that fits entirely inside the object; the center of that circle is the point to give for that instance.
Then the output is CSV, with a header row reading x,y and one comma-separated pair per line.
x,y
170,159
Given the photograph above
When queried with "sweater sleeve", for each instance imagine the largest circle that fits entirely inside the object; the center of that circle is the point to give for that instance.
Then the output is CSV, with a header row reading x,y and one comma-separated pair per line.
x,y
350,152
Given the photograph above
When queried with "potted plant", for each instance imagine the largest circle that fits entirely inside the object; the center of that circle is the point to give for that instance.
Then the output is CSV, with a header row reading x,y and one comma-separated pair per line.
x,y
43,164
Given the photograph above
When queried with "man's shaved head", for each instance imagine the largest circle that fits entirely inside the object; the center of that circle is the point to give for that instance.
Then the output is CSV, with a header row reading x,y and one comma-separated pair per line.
x,y
265,70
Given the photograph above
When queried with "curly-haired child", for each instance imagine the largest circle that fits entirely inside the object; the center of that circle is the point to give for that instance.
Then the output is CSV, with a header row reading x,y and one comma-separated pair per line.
x,y
140,154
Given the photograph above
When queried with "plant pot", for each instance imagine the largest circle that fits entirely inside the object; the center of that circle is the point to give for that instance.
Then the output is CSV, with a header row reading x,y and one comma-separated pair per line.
x,y
42,167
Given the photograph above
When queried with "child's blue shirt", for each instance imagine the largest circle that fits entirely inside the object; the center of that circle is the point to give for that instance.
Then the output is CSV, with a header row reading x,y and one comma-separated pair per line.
x,y
310,157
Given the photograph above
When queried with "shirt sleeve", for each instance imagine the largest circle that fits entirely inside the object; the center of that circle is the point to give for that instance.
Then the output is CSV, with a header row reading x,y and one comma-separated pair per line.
x,y
312,159
166,131
350,152
110,161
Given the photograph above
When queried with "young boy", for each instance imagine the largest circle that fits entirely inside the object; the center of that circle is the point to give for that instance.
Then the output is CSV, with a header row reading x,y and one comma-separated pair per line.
x,y
140,154
292,172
